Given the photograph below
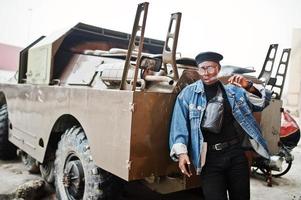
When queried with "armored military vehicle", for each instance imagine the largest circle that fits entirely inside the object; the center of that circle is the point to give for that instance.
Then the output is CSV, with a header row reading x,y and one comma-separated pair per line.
x,y
92,106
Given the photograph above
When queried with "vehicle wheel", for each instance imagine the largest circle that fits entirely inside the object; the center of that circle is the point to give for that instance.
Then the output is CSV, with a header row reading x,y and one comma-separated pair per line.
x,y
30,163
47,171
76,175
7,149
263,171
285,169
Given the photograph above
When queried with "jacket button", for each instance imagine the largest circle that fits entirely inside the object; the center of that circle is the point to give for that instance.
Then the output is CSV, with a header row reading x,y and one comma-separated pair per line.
x,y
199,107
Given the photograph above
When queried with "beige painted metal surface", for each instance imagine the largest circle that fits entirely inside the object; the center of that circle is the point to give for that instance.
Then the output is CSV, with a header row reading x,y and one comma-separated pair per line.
x,y
270,124
104,115
40,59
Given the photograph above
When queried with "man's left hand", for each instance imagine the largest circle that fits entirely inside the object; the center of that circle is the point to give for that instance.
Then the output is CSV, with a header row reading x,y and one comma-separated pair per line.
x,y
239,81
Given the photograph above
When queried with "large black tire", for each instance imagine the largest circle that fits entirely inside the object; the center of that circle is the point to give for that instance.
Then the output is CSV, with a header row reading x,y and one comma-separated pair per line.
x,y
76,175
285,169
47,171
7,149
263,170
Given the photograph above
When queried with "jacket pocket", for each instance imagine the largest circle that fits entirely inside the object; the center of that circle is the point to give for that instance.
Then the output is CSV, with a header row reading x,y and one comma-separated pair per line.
x,y
243,107
195,115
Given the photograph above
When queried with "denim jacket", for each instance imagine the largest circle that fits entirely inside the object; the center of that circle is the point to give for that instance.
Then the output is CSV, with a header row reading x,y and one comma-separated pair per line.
x,y
186,134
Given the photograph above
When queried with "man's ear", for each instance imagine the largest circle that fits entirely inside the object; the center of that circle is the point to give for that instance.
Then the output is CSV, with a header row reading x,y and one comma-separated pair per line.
x,y
219,67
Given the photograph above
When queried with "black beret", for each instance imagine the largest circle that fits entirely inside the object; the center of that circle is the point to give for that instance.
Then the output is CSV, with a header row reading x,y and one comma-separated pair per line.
x,y
208,56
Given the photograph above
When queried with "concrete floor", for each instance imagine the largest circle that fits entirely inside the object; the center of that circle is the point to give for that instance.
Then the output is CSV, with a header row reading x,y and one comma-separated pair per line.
x,y
13,174
288,187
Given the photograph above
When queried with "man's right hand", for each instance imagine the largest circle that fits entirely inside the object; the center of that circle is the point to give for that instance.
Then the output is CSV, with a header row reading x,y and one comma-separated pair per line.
x,y
184,164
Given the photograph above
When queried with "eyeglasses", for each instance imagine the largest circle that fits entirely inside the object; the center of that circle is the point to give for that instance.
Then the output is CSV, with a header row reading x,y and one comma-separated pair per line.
x,y
209,69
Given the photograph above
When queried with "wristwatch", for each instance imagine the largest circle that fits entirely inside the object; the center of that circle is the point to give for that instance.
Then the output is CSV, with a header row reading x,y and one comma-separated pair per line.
x,y
250,84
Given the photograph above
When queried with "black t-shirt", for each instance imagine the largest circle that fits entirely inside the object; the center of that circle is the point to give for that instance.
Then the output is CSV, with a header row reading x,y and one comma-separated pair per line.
x,y
228,131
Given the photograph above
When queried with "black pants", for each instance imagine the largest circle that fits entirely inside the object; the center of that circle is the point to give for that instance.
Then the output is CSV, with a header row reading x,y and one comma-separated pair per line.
x,y
226,171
